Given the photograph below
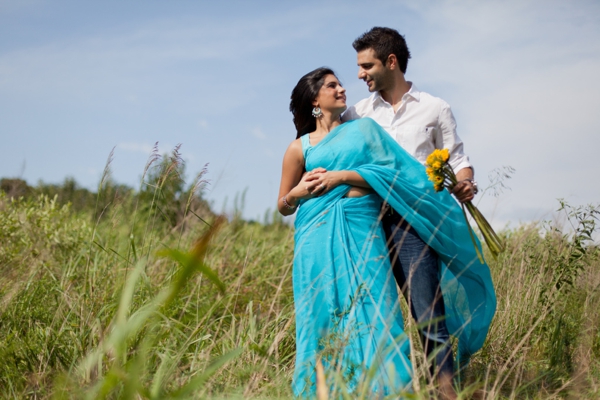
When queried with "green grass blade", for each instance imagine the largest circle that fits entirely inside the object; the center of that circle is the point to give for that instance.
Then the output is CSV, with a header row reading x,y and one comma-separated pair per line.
x,y
197,381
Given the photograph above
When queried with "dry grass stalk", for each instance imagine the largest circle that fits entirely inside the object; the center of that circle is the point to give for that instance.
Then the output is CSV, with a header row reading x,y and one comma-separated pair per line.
x,y
154,156
322,391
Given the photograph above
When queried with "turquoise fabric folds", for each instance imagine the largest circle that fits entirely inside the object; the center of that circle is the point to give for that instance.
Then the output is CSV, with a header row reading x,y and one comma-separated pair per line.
x,y
344,290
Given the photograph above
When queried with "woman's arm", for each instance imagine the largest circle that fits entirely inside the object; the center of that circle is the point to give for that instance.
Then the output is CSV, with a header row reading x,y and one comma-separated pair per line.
x,y
327,180
295,184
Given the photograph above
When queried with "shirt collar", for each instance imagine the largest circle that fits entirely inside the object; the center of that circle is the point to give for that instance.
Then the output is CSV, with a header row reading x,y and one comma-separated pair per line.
x,y
413,92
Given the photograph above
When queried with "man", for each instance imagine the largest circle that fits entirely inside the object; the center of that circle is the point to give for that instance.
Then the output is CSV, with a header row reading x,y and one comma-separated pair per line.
x,y
420,123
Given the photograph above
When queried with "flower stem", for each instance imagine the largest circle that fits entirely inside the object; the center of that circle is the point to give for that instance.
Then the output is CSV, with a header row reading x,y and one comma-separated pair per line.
x,y
491,239
479,255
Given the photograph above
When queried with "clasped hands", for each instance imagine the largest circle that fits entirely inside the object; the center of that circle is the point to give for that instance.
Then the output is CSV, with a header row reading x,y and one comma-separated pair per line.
x,y
317,182
320,181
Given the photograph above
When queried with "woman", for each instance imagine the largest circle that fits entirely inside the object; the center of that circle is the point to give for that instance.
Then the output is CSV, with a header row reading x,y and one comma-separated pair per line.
x,y
347,313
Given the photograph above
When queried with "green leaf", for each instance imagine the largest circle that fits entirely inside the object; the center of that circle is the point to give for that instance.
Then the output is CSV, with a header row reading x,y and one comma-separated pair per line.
x,y
190,264
197,381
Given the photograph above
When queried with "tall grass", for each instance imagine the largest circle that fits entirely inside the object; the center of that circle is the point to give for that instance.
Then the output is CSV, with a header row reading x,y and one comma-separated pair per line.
x,y
152,295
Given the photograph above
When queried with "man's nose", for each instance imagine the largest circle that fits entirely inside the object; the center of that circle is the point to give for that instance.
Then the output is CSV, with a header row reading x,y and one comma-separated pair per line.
x,y
361,73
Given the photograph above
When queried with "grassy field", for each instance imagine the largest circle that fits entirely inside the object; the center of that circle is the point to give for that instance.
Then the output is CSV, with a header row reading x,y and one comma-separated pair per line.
x,y
148,294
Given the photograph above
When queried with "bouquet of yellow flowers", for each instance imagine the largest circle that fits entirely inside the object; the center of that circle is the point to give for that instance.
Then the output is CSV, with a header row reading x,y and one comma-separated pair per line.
x,y
442,175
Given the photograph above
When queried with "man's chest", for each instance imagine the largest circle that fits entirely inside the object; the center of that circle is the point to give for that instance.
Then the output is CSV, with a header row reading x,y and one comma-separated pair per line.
x,y
413,127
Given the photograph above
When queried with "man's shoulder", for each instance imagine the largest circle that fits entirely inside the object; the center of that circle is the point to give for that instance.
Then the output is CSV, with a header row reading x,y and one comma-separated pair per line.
x,y
358,110
365,103
431,100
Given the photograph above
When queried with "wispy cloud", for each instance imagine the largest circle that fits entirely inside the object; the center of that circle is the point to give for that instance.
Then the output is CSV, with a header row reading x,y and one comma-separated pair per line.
x,y
521,78
202,124
258,133
147,148
144,148
519,75
146,46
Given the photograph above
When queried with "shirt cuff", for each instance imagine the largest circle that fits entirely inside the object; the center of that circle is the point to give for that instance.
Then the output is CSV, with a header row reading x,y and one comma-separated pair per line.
x,y
462,163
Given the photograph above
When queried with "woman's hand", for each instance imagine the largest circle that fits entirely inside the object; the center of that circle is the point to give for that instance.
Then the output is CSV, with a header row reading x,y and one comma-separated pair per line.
x,y
324,181
305,189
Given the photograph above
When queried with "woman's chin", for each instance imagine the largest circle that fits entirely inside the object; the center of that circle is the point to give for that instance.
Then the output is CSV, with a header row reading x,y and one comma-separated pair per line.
x,y
337,111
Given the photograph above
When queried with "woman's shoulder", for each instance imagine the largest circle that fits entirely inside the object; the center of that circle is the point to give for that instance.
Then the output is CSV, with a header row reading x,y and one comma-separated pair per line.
x,y
294,152
296,145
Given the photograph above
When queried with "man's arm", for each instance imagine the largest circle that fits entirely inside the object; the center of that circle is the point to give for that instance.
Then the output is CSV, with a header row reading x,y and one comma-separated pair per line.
x,y
466,189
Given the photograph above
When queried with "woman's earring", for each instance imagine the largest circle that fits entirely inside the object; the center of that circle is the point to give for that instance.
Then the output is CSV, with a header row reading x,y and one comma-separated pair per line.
x,y
317,113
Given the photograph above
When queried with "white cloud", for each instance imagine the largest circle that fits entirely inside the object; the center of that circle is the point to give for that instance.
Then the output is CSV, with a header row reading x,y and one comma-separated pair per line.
x,y
124,54
520,76
258,133
144,148
522,80
147,148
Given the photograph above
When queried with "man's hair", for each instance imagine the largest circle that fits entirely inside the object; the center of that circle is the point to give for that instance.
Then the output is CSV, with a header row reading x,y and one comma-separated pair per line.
x,y
384,41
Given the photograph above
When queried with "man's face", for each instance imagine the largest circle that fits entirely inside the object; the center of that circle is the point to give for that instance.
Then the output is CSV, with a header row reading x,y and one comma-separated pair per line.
x,y
372,71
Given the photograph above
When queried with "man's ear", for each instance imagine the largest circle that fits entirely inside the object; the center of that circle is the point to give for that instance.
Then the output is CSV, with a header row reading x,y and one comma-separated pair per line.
x,y
391,62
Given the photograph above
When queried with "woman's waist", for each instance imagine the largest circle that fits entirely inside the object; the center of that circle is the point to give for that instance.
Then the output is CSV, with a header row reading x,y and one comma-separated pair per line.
x,y
362,197
365,200
315,210
356,191
364,211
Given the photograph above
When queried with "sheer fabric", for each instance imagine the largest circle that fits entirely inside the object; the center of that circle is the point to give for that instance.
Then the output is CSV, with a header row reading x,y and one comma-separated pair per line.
x,y
344,290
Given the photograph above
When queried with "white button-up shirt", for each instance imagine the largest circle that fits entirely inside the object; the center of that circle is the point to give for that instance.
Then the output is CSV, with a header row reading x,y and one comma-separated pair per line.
x,y
421,124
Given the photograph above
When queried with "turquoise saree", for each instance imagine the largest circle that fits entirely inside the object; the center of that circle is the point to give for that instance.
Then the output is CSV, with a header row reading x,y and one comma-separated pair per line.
x,y
347,306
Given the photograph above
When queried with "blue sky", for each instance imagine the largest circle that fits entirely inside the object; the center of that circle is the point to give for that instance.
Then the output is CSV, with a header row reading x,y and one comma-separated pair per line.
x,y
79,78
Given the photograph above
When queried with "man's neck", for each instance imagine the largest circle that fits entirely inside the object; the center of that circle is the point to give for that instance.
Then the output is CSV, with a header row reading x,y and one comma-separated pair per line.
x,y
394,94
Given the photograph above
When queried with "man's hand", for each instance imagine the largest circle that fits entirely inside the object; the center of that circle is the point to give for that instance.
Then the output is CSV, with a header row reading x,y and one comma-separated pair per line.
x,y
465,189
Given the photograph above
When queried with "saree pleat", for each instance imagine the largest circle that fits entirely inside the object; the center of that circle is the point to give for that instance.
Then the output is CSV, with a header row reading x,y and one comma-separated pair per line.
x,y
344,290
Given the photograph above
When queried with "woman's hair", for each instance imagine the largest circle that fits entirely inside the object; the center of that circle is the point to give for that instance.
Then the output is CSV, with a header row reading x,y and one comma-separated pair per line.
x,y
303,95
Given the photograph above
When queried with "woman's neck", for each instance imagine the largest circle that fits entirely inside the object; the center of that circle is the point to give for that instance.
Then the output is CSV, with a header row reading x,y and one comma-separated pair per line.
x,y
327,123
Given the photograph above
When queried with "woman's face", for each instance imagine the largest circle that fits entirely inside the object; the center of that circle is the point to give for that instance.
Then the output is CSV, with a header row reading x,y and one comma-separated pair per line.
x,y
332,96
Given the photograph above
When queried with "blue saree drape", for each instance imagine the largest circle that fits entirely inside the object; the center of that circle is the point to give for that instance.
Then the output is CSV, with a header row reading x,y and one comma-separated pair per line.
x,y
347,310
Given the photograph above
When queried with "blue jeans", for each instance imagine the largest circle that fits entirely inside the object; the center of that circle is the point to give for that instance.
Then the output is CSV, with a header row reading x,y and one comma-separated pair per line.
x,y
412,258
